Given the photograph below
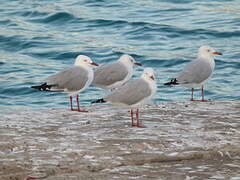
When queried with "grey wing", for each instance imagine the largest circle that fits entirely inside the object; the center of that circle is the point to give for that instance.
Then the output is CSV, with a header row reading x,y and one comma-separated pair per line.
x,y
195,72
130,93
109,74
72,79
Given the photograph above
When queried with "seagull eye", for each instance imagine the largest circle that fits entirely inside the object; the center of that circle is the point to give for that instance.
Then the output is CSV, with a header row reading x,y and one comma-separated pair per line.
x,y
85,60
208,50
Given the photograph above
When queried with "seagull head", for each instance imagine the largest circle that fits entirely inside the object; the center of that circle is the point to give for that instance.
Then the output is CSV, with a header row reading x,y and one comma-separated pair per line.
x,y
83,60
129,60
148,74
207,52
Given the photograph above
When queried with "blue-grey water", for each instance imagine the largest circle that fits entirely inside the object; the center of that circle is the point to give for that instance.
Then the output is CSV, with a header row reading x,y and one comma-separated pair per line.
x,y
39,38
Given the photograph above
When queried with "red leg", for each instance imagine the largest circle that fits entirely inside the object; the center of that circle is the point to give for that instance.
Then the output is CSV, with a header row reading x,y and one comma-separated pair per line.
x,y
137,117
71,103
131,112
192,95
203,100
79,110
78,106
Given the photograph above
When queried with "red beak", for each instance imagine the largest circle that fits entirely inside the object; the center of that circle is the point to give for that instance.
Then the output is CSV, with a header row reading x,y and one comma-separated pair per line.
x,y
94,64
138,64
217,53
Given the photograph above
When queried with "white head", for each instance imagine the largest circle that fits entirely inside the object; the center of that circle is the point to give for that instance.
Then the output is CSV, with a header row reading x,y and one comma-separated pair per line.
x,y
207,52
148,74
129,60
82,60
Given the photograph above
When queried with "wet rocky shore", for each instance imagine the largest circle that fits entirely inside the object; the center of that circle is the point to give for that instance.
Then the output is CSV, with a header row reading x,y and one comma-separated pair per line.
x,y
182,140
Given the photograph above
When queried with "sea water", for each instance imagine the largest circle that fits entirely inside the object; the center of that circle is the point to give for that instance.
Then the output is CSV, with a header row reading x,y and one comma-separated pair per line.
x,y
39,38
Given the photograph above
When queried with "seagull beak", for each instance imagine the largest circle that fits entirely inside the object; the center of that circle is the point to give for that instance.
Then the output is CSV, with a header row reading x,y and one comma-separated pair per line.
x,y
217,53
137,63
152,77
94,64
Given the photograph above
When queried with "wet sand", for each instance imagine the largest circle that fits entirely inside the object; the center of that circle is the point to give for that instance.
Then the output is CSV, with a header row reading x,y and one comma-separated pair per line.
x,y
183,140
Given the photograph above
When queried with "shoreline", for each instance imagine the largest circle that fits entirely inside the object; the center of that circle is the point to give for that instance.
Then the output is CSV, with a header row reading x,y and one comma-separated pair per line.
x,y
182,140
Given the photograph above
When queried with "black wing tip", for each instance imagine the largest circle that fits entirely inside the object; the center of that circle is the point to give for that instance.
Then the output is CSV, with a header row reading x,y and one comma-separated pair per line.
x,y
172,82
43,87
98,101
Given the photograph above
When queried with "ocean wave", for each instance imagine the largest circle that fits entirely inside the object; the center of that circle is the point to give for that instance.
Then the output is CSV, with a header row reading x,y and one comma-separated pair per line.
x,y
59,18
30,14
174,31
106,23
19,42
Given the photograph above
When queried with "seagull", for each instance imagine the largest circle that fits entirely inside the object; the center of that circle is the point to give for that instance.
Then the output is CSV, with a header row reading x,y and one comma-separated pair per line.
x,y
197,72
112,75
71,80
133,94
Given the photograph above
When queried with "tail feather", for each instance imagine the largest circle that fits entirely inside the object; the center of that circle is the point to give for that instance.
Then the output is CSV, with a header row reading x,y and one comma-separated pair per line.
x,y
98,101
172,82
43,87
